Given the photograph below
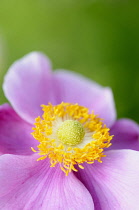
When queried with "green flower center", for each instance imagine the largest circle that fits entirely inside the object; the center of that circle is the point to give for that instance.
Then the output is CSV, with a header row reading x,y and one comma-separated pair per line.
x,y
71,132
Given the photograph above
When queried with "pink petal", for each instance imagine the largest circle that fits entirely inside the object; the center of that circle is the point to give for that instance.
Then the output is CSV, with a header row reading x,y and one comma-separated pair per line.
x,y
28,184
28,84
126,135
15,137
74,88
114,183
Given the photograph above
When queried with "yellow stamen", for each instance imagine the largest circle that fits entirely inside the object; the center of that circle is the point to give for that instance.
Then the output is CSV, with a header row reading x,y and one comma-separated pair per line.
x,y
69,135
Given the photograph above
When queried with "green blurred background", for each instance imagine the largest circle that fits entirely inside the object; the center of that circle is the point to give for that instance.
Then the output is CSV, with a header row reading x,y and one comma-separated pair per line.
x,y
99,39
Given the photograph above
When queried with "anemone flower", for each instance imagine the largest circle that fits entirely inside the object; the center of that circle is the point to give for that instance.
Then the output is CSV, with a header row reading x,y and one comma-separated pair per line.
x,y
69,159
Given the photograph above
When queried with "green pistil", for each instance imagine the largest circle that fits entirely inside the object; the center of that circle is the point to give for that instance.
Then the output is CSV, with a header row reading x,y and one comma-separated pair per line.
x,y
71,132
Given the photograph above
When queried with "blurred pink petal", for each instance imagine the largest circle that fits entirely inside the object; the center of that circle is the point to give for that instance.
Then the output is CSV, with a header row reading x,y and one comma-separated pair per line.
x,y
28,184
126,135
114,183
74,88
15,134
28,84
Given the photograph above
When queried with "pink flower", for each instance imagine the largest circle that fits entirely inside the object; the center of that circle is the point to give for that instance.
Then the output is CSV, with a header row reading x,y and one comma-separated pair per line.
x,y
30,184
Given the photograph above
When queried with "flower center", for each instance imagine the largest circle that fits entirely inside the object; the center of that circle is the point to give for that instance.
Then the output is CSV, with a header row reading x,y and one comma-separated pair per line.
x,y
71,132
69,136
